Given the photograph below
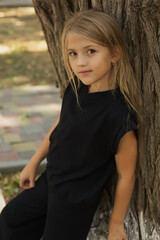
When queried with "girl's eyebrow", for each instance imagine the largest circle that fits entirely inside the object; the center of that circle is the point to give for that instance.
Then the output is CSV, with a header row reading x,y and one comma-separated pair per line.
x,y
69,49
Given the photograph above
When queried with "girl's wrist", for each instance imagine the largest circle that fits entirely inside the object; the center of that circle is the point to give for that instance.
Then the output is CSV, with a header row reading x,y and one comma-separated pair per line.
x,y
117,217
115,225
116,230
115,221
35,161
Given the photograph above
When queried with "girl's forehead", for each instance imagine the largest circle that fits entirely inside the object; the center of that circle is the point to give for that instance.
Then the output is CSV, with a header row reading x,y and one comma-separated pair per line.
x,y
75,40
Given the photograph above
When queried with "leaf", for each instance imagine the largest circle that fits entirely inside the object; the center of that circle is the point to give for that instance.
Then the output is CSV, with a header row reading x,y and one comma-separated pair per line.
x,y
25,116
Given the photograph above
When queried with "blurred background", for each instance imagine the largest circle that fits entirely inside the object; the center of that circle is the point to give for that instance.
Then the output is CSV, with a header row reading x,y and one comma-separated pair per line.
x,y
29,100
24,58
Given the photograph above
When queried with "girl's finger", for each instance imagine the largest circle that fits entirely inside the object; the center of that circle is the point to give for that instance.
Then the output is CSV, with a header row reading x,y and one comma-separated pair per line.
x,y
25,184
31,183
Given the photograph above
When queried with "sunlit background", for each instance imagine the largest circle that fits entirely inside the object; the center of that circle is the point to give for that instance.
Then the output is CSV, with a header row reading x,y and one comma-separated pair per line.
x,y
24,59
29,99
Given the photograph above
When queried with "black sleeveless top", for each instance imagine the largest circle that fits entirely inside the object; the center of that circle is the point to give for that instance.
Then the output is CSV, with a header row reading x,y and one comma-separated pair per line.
x,y
83,144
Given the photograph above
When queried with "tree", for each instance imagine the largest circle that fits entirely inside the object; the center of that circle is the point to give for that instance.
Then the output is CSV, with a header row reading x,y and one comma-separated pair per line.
x,y
139,21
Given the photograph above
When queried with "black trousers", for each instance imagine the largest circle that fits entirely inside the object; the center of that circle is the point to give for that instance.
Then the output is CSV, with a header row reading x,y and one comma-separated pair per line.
x,y
24,216
32,215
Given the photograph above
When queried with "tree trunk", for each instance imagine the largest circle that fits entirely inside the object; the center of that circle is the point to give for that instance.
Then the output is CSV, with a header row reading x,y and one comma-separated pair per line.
x,y
139,21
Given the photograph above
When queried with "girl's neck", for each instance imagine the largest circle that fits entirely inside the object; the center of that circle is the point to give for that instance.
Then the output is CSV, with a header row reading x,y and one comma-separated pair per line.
x,y
92,89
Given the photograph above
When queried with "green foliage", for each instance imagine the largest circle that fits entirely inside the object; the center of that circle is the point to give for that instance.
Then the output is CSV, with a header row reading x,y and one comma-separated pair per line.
x,y
10,185
25,116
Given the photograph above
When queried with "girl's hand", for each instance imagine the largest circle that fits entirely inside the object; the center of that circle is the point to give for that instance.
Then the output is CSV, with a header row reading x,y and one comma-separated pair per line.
x,y
116,232
27,176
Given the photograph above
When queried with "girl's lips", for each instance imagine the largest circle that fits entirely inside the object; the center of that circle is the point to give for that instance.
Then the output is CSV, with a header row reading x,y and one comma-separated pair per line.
x,y
85,72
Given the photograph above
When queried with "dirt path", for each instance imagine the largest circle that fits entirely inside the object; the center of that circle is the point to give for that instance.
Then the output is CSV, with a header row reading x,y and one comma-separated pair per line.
x,y
23,50
15,3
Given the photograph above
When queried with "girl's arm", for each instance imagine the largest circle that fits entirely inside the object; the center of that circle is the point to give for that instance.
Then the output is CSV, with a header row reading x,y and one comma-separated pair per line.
x,y
126,163
27,176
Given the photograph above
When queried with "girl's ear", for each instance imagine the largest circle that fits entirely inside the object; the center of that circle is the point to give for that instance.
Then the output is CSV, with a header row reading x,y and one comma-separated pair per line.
x,y
116,54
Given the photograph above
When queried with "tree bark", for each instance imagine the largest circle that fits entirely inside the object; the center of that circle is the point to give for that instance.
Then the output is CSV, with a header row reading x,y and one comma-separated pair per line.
x,y
139,21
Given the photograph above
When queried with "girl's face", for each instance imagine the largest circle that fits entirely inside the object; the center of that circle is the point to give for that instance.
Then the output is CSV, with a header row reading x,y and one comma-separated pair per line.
x,y
90,62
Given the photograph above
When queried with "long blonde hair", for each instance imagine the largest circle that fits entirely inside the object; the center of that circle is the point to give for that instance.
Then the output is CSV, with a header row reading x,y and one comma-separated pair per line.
x,y
102,29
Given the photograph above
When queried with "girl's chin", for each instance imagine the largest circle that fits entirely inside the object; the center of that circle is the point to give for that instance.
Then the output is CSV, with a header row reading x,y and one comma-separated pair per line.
x,y
85,82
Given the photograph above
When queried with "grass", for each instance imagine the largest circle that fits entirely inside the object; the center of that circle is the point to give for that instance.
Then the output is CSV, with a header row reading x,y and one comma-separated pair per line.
x,y
10,185
24,56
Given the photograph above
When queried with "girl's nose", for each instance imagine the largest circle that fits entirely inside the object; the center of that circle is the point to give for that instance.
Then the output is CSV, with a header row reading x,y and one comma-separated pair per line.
x,y
81,61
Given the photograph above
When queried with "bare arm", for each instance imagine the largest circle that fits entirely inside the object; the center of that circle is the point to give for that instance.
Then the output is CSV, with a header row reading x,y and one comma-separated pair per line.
x,y
27,176
126,163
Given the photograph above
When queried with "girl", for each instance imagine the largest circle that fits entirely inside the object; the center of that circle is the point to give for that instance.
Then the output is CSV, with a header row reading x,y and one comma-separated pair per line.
x,y
95,133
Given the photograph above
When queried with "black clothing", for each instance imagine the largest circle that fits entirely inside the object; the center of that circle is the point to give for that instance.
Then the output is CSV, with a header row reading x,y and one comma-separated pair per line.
x,y
26,217
23,218
83,145
80,161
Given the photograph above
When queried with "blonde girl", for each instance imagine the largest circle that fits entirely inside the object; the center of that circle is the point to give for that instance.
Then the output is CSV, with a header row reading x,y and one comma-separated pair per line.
x,y
97,132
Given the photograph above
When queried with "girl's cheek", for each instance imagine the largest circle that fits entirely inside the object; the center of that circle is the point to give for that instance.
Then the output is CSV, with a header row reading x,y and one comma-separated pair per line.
x,y
73,65
71,62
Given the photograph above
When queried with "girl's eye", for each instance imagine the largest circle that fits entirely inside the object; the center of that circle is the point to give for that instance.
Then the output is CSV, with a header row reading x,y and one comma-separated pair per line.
x,y
72,54
91,51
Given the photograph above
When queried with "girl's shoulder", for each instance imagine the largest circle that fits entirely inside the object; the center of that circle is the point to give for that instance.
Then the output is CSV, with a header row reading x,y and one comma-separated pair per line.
x,y
113,99
119,99
121,106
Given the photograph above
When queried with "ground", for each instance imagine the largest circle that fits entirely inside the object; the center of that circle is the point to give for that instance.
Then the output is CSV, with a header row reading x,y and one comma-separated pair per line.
x,y
23,50
10,185
23,55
